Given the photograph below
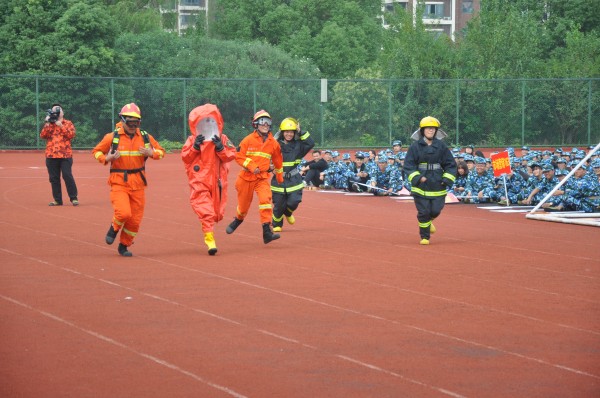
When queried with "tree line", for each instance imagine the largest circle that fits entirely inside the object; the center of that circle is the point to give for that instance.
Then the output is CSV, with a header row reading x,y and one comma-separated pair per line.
x,y
302,40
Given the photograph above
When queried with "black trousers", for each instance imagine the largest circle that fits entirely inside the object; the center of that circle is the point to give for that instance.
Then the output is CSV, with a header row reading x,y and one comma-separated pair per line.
x,y
285,204
313,176
56,167
427,210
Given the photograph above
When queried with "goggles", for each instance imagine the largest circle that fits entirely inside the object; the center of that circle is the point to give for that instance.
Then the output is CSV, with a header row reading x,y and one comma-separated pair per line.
x,y
264,121
132,122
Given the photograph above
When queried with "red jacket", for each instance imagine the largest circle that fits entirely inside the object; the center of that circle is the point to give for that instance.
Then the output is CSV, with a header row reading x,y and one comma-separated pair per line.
x,y
207,169
58,139
254,152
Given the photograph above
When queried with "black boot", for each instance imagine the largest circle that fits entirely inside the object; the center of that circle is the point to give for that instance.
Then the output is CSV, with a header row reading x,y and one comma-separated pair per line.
x,y
123,251
268,235
234,224
110,235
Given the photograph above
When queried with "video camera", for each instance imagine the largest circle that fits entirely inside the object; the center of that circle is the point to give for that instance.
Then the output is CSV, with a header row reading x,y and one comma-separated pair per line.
x,y
53,115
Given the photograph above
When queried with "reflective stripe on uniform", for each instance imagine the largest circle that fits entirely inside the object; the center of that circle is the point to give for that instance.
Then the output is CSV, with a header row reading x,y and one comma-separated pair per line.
x,y
305,136
277,219
130,153
288,189
431,194
98,154
265,206
425,224
130,233
247,162
449,176
413,174
259,154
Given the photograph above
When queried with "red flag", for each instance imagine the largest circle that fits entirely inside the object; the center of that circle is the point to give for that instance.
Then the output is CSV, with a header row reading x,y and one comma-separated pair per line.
x,y
501,164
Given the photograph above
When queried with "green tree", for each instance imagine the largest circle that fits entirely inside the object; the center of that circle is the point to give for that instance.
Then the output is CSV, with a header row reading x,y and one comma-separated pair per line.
x,y
339,36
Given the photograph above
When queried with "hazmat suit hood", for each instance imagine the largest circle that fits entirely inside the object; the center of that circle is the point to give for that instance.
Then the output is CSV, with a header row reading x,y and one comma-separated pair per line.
x,y
206,120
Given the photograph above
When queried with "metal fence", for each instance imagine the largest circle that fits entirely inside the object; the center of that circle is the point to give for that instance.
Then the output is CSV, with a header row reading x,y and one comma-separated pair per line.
x,y
339,113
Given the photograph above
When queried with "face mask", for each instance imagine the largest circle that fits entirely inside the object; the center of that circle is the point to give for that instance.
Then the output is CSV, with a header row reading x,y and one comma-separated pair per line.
x,y
207,127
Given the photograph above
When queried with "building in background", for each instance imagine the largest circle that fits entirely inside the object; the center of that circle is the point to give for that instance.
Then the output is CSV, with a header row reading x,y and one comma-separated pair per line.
x,y
179,15
441,16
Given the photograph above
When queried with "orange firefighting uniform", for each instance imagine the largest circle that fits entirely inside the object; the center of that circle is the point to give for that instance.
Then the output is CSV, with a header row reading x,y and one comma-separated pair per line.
x,y
255,152
207,170
127,180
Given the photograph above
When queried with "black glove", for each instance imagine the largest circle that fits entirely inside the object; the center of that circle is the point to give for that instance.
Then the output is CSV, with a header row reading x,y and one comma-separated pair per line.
x,y
218,143
198,142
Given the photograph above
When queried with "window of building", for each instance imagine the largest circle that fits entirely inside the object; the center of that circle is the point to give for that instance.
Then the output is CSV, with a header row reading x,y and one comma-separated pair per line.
x,y
187,20
434,10
467,7
199,3
395,5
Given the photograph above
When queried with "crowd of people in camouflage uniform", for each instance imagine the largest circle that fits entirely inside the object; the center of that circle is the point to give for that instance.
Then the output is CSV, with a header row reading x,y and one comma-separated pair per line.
x,y
533,175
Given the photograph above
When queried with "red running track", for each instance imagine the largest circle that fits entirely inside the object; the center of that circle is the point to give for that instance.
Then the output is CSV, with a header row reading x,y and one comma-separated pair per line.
x,y
345,304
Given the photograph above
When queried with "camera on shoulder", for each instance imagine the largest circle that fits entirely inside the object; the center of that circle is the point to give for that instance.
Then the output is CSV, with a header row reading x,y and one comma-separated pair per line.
x,y
53,115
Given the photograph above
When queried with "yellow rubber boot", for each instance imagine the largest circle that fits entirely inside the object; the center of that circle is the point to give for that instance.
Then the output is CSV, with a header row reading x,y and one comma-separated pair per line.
x,y
209,239
290,219
432,229
276,229
424,241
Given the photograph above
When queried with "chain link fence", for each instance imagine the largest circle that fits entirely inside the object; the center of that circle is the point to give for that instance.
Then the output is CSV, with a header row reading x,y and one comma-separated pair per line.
x,y
338,113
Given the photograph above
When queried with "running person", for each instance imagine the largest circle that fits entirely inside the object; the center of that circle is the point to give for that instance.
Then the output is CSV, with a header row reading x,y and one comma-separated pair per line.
x,y
206,155
126,149
255,154
287,196
431,170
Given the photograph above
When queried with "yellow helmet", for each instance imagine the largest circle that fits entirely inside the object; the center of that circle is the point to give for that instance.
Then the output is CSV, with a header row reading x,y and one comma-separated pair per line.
x,y
288,124
429,121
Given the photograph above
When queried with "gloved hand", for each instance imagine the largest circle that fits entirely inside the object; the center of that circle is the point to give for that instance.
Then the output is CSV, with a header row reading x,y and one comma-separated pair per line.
x,y
218,143
198,141
279,177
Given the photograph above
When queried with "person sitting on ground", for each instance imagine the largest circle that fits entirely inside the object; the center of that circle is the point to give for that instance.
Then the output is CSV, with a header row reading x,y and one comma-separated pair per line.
x,y
358,173
461,179
529,195
479,185
386,180
312,170
581,194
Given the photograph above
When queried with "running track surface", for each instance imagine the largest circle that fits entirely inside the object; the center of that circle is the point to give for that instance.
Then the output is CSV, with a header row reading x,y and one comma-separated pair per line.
x,y
345,304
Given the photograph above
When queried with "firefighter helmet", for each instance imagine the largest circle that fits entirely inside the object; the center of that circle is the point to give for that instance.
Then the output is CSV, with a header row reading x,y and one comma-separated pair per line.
x,y
262,117
131,110
288,124
429,121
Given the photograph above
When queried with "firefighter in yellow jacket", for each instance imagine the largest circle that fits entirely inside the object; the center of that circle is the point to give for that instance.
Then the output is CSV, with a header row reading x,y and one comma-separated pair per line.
x,y
255,154
126,149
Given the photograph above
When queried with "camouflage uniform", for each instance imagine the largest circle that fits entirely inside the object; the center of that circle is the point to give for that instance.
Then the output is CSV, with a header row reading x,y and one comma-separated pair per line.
x,y
582,193
477,183
389,178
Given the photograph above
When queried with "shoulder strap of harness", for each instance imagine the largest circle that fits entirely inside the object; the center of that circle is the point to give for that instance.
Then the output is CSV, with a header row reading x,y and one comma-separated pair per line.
x,y
115,140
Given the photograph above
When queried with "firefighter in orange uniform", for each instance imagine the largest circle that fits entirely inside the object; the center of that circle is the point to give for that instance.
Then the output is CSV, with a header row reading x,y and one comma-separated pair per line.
x,y
206,155
255,154
126,149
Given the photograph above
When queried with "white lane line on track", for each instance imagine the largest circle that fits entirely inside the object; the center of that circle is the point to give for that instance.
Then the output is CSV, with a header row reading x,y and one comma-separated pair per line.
x,y
210,314
125,347
321,303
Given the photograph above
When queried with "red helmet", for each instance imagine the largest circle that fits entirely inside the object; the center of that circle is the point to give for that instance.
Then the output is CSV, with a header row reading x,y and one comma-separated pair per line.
x,y
131,110
261,117
259,114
